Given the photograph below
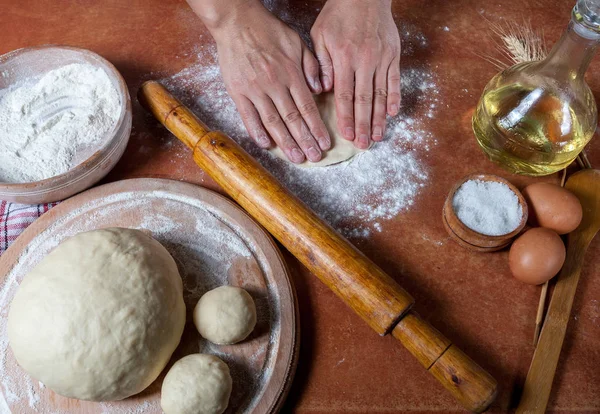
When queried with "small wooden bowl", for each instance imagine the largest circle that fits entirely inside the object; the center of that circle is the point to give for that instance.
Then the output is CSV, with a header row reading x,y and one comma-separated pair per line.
x,y
471,239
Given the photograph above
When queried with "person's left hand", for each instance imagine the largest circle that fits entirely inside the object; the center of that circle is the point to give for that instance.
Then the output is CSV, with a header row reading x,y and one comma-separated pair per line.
x,y
358,48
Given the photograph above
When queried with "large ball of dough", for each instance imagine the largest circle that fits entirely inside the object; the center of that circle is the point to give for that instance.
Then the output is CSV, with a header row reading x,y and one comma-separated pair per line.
x,y
99,317
225,315
196,384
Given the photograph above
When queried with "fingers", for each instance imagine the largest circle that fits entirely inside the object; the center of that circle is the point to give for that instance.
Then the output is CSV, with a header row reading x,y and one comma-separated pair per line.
x,y
325,64
252,121
290,116
277,129
379,105
310,113
393,87
344,100
310,67
296,125
363,107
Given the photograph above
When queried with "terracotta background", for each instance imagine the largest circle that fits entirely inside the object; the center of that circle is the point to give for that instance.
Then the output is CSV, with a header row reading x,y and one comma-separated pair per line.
x,y
344,366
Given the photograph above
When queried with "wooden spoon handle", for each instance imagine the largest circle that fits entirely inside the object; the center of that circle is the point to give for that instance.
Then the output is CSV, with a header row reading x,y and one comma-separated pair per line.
x,y
369,291
538,384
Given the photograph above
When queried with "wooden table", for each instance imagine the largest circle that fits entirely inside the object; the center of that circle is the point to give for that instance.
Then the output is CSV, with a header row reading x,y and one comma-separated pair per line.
x,y
470,297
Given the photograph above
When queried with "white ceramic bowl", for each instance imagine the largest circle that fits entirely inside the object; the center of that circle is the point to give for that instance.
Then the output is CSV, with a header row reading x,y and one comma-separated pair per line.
x,y
94,163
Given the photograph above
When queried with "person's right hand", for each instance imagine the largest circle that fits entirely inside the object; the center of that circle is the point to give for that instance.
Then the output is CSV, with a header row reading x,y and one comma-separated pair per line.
x,y
263,63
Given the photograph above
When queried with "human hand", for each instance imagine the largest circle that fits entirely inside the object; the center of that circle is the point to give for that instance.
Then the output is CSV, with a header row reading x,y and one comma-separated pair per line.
x,y
358,48
267,69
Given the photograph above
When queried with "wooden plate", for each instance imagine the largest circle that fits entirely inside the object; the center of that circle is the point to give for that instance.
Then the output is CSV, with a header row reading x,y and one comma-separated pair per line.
x,y
214,242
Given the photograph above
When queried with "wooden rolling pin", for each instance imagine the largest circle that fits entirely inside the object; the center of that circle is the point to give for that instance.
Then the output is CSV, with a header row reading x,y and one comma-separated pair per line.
x,y
370,292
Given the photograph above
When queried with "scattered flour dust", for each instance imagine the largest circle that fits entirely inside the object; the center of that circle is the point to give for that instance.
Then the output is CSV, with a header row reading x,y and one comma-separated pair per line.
x,y
354,196
204,257
49,125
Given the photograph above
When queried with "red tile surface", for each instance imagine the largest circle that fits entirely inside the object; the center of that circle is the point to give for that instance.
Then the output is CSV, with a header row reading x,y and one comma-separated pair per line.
x,y
344,366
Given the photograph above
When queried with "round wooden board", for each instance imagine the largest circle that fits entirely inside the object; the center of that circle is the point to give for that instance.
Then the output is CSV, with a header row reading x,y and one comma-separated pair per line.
x,y
214,242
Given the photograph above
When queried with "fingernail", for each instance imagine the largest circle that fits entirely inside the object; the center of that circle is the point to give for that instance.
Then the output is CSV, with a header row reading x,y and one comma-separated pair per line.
x,y
363,140
264,141
394,109
314,154
349,134
326,82
325,143
297,155
316,85
377,132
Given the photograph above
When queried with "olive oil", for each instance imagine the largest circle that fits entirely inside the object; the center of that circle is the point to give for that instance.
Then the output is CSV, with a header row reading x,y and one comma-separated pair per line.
x,y
531,131
535,118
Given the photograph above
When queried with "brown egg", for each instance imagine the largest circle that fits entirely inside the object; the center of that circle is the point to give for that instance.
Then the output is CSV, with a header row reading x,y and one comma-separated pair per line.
x,y
553,207
536,256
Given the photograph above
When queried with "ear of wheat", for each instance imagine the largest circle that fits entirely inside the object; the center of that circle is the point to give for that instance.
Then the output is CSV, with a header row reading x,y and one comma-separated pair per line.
x,y
517,43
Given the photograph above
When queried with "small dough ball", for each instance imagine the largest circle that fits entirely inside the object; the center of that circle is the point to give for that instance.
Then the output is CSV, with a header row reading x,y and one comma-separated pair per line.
x,y
536,256
225,315
196,384
99,317
553,207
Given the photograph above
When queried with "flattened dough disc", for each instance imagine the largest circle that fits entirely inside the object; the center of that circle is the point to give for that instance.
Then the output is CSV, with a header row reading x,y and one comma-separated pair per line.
x,y
341,149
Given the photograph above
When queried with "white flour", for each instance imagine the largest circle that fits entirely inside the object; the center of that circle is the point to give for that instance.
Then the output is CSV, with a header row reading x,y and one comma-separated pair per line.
x,y
488,207
47,123
354,196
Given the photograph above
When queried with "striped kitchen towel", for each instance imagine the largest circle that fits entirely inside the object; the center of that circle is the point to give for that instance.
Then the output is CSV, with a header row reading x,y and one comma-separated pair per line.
x,y
14,218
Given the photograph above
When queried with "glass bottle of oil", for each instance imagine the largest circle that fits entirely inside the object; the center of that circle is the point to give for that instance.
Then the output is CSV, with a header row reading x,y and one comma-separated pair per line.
x,y
535,118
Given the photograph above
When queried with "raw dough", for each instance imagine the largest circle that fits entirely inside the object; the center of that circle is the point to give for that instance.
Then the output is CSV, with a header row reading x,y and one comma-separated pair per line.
x,y
225,315
341,149
99,317
196,384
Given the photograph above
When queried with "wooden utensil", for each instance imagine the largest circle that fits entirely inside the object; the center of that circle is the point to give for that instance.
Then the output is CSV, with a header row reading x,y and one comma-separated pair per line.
x,y
586,186
584,162
370,292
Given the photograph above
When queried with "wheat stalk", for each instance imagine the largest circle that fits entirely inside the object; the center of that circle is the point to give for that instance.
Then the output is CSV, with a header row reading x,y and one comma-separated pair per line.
x,y
516,43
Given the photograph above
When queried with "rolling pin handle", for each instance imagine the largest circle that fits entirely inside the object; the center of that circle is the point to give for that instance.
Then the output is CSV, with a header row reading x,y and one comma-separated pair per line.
x,y
470,384
174,115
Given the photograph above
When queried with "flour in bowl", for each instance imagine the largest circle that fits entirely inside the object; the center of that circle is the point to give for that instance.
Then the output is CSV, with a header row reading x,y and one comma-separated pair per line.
x,y
48,124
